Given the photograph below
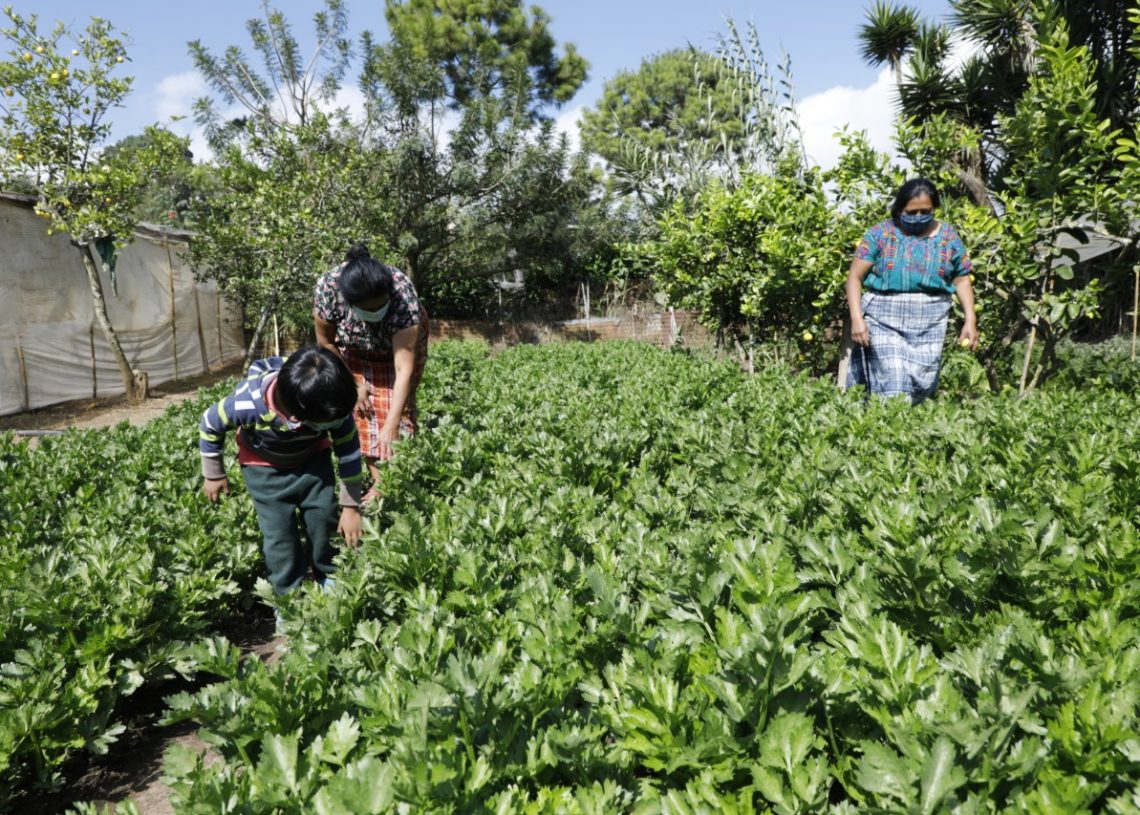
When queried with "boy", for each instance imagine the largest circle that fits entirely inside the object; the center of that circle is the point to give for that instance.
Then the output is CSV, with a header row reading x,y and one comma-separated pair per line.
x,y
287,414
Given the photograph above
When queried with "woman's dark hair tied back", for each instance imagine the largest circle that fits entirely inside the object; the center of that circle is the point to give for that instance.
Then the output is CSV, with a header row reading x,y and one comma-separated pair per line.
x,y
363,277
913,189
356,252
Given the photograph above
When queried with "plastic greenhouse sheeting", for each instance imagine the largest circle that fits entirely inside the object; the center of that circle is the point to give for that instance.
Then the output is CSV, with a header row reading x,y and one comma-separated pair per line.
x,y
51,347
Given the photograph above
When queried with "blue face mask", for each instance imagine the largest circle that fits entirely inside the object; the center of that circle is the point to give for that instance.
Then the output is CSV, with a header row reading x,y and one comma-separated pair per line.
x,y
371,316
915,224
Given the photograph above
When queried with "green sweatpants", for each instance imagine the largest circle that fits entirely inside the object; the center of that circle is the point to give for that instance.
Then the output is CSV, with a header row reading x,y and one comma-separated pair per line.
x,y
280,495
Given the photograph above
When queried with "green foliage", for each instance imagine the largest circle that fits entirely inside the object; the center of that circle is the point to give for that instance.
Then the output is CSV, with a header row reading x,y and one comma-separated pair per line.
x,y
763,261
672,103
109,557
469,51
610,578
1064,169
298,182
55,116
688,119
174,190
286,204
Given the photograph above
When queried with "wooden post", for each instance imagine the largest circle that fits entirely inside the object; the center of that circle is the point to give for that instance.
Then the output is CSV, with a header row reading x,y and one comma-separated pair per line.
x,y
94,368
201,333
846,351
1135,307
173,305
218,312
586,302
26,405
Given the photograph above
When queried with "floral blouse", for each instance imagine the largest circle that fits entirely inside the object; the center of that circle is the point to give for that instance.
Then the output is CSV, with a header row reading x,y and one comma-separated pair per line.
x,y
354,334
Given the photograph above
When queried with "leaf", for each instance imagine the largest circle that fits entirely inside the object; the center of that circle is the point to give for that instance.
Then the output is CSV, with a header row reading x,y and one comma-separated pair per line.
x,y
883,772
940,775
342,736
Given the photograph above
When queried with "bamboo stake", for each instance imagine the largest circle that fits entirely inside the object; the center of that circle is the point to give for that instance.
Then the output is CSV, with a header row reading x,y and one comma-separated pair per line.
x,y
1135,308
23,377
94,368
1028,356
173,306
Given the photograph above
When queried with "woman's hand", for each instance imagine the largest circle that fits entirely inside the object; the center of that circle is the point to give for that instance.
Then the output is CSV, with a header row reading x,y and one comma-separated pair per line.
x,y
364,399
859,333
969,335
386,436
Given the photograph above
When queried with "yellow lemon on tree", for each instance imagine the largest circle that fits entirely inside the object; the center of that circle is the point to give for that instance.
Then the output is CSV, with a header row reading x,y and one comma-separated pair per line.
x,y
808,336
964,342
54,76
28,56
118,59
9,92
39,49
75,52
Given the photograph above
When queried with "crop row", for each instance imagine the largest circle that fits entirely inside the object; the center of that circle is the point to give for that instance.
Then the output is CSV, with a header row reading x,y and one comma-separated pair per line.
x,y
109,561
609,578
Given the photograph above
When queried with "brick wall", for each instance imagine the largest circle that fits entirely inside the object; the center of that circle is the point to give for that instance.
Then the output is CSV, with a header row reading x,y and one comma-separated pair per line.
x,y
657,328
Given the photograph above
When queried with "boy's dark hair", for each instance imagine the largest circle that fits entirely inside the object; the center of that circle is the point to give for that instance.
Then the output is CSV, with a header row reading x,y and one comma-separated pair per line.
x,y
912,189
315,385
362,277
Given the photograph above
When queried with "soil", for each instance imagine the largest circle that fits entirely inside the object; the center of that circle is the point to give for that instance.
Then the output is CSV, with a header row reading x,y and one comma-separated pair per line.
x,y
132,770
94,413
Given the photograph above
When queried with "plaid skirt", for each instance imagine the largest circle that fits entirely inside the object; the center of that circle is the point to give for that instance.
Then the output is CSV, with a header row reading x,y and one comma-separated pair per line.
x,y
907,332
378,369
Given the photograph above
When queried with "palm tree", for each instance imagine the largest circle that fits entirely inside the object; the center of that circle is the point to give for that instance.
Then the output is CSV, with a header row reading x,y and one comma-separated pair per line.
x,y
888,35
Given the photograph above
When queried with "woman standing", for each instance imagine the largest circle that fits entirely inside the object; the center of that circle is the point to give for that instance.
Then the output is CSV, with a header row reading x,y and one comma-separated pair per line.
x,y
911,265
370,315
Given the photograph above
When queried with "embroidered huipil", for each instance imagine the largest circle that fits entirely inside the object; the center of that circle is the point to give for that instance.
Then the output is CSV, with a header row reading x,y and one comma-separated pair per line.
x,y
908,263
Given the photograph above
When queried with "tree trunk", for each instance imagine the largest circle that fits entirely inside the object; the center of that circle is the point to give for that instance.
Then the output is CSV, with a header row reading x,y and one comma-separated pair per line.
x,y
265,312
846,350
134,382
971,178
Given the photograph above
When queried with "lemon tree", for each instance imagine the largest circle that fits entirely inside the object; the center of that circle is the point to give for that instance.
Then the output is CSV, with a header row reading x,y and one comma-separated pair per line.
x,y
58,90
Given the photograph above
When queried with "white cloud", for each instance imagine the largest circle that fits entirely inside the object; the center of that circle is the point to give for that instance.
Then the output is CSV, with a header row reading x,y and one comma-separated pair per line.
x,y
872,109
175,95
568,122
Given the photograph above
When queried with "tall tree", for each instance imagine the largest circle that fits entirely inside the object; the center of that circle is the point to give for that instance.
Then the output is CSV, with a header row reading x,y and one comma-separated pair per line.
x,y
59,92
674,98
458,99
296,182
478,49
888,35
669,129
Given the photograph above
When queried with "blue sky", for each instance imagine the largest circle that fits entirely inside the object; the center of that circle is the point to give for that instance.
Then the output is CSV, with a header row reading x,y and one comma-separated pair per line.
x,y
832,84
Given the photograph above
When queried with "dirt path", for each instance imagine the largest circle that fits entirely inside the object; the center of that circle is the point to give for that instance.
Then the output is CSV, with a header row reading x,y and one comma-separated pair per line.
x,y
93,413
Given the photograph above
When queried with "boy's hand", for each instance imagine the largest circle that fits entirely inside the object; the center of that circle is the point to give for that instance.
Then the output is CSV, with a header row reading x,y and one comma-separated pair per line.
x,y
351,525
212,488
